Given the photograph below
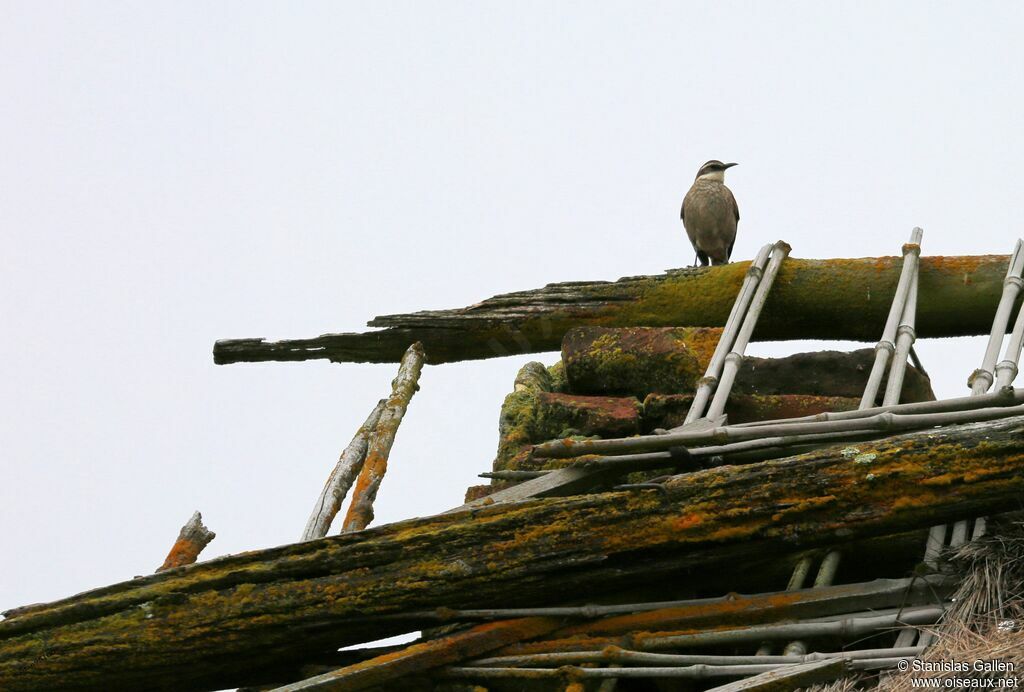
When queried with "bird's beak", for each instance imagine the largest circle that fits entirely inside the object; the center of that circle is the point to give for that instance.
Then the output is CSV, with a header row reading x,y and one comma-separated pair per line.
x,y
730,165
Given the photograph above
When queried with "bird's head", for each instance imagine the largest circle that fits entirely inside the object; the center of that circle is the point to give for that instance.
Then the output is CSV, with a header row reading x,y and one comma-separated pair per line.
x,y
714,170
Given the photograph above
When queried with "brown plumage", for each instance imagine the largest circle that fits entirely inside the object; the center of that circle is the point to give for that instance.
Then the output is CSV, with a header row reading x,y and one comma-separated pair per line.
x,y
710,214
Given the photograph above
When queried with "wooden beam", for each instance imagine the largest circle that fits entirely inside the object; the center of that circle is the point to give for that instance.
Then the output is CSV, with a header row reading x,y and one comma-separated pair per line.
x,y
957,297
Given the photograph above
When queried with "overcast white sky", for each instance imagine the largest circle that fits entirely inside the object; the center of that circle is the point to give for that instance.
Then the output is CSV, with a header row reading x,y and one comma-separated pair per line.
x,y
175,173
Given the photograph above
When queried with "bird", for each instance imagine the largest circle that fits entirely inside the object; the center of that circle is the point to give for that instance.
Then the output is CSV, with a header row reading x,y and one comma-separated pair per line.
x,y
710,214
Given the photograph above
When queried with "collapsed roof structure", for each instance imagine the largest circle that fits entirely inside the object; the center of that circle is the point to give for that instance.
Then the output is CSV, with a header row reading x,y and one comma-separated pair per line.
x,y
641,485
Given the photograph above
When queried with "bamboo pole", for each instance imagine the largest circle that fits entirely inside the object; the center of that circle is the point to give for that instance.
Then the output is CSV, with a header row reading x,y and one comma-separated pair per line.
x,y
1006,370
981,379
900,352
824,601
610,684
933,547
360,512
192,538
825,604
592,471
728,337
845,628
350,463
696,672
905,336
826,575
615,654
780,251
885,347
1005,396
799,576
889,420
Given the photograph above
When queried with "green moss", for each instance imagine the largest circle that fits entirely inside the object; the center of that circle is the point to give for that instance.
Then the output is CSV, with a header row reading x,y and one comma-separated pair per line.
x,y
636,361
559,383
516,424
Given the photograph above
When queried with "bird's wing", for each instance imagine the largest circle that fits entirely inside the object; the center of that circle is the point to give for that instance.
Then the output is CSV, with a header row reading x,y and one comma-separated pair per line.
x,y
735,207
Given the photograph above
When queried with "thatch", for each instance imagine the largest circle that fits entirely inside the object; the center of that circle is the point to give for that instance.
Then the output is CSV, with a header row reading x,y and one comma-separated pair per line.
x,y
984,622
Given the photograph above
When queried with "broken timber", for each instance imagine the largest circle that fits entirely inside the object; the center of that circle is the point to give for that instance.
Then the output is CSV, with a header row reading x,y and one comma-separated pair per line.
x,y
193,537
231,620
957,294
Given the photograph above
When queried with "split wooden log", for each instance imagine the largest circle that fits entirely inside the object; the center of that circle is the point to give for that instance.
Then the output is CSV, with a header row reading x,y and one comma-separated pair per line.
x,y
405,384
192,538
958,295
425,656
227,622
344,474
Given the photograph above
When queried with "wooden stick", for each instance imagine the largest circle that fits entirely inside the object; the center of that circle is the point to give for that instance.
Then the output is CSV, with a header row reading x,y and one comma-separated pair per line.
x,y
981,379
732,361
360,512
728,337
192,538
513,475
350,463
885,346
886,421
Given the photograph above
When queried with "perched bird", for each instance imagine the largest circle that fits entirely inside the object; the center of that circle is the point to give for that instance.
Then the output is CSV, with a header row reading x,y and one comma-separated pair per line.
x,y
710,214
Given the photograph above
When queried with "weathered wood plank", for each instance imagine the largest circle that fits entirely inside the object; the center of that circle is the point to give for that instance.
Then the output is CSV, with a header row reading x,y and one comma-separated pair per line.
x,y
788,678
957,298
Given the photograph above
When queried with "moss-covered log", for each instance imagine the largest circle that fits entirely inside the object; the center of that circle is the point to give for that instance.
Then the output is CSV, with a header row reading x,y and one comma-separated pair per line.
x,y
636,360
223,622
811,299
